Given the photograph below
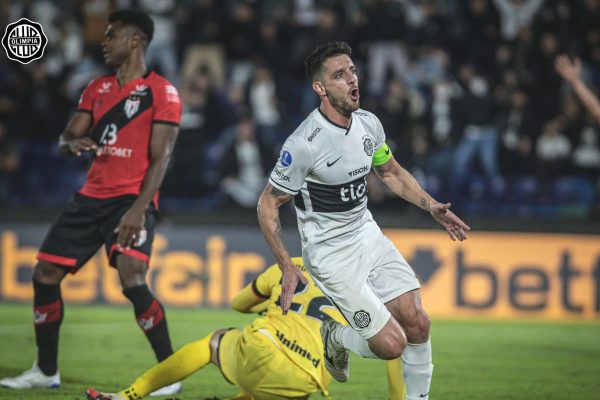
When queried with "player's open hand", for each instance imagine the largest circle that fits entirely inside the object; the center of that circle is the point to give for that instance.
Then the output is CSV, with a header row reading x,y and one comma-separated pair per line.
x,y
131,230
77,146
455,227
290,277
570,71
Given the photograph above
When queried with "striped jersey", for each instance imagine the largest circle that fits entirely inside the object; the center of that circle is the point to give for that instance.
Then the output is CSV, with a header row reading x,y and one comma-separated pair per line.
x,y
122,120
325,166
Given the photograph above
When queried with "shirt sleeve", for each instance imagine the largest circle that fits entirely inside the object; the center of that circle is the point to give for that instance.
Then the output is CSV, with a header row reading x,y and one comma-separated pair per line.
x,y
379,133
263,285
167,104
86,100
293,165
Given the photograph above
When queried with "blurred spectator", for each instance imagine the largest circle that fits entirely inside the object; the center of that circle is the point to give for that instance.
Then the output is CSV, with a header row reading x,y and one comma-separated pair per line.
x,y
586,156
272,48
394,111
71,43
203,48
423,22
9,164
516,14
518,127
94,15
161,52
46,107
241,41
431,65
557,16
329,28
441,142
262,97
481,26
305,13
383,31
202,120
326,27
546,83
553,149
244,57
476,119
244,165
587,30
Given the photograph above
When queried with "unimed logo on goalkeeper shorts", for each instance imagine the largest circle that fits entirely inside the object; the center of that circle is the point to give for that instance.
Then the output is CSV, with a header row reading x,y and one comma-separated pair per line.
x,y
24,41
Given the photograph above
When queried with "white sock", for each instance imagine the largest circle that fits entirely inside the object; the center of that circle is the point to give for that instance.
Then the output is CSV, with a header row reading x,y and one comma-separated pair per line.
x,y
351,340
417,369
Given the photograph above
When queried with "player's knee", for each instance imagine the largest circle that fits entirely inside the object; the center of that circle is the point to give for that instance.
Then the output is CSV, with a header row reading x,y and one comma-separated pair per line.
x,y
394,349
417,326
390,346
422,325
214,342
47,273
132,272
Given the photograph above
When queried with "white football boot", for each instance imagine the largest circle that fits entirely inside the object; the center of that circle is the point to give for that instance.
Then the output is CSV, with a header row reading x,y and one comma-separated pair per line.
x,y
336,356
173,388
33,378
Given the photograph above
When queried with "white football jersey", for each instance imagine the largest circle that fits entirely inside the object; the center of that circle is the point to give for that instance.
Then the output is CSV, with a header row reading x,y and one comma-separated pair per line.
x,y
325,167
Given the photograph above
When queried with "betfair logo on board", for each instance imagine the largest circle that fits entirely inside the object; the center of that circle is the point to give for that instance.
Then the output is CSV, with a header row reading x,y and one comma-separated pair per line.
x,y
24,41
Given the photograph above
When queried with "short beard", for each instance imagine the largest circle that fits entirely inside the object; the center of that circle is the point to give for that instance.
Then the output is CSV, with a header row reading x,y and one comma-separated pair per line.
x,y
341,106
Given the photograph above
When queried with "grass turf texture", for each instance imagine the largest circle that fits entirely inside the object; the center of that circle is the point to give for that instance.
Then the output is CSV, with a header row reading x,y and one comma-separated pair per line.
x,y
102,347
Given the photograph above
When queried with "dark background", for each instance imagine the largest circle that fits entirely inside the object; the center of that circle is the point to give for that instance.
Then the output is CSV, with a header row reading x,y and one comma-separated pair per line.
x,y
466,92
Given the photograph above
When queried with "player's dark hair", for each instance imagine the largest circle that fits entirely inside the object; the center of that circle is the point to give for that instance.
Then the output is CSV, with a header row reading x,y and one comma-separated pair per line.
x,y
136,18
317,57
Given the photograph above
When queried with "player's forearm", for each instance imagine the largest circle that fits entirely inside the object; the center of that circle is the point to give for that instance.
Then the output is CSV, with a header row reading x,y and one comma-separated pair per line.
x,y
589,100
76,129
64,142
246,300
270,224
152,181
402,183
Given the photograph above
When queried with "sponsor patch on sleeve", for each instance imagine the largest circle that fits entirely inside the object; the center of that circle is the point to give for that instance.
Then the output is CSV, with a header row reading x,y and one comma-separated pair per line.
x,y
285,158
172,94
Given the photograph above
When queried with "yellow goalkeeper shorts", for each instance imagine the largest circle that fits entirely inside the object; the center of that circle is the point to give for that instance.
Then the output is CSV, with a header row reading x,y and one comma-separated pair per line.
x,y
250,360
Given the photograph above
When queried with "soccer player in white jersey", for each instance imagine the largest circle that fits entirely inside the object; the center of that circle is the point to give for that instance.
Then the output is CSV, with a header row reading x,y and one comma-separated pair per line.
x,y
323,166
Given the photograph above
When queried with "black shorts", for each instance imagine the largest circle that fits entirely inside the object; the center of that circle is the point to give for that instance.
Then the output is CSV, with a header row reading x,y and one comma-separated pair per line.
x,y
85,224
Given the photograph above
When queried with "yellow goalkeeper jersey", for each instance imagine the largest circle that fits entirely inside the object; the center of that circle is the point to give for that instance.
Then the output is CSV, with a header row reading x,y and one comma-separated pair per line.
x,y
296,334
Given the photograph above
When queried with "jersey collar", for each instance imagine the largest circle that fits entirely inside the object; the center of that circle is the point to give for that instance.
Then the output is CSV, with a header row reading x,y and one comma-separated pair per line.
x,y
346,130
135,81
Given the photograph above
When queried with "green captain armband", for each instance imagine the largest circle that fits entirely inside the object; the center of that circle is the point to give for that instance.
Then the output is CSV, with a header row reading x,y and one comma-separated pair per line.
x,y
382,155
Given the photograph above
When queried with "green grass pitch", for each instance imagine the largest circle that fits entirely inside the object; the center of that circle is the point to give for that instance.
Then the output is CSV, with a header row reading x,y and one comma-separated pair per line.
x,y
102,347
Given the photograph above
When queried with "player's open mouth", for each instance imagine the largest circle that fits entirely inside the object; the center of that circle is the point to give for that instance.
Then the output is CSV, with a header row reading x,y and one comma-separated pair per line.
x,y
354,94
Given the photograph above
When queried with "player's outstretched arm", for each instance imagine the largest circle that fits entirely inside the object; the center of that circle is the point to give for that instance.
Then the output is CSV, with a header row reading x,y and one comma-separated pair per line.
x,y
401,182
571,72
162,143
73,141
268,217
247,301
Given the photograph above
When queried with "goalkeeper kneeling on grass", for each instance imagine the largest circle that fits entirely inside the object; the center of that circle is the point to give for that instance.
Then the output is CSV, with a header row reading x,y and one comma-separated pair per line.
x,y
275,357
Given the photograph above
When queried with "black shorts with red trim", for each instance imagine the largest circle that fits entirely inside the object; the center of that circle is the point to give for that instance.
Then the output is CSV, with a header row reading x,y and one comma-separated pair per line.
x,y
85,224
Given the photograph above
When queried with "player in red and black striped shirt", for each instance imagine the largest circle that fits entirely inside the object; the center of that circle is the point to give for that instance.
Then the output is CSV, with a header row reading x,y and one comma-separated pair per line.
x,y
129,120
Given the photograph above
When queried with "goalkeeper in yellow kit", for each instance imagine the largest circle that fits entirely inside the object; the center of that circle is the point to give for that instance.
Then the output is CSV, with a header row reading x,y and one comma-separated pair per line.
x,y
275,357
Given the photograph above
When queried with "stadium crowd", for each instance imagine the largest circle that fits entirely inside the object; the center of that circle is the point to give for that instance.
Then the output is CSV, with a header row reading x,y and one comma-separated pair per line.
x,y
466,91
